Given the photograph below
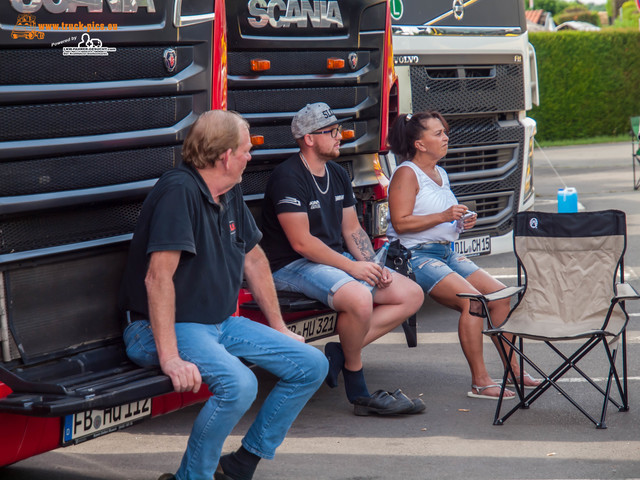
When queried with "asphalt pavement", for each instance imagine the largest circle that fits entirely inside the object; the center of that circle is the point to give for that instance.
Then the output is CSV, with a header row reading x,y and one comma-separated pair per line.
x,y
454,438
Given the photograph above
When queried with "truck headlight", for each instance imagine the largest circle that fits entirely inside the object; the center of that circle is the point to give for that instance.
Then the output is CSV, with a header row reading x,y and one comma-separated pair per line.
x,y
381,209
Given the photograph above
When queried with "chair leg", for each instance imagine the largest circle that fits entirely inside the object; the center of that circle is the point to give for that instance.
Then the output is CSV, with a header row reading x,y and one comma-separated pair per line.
x,y
551,380
624,393
508,372
410,331
612,371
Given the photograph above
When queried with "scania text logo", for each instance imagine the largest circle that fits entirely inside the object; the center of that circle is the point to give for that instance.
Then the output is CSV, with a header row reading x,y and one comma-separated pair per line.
x,y
458,9
286,13
92,6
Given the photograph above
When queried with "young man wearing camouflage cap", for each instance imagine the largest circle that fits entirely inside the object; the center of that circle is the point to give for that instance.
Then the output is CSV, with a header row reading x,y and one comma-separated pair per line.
x,y
309,211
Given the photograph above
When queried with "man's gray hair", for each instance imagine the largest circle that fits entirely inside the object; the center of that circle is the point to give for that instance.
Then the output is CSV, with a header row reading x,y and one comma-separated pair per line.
x,y
212,134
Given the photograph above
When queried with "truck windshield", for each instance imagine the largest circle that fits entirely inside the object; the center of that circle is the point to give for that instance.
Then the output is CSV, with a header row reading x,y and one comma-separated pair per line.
x,y
459,17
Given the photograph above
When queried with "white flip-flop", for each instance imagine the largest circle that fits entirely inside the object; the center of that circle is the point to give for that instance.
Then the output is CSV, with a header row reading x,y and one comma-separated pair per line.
x,y
486,397
526,387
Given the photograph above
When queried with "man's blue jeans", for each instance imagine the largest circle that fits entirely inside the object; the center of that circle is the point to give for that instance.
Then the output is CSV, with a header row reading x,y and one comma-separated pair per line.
x,y
215,349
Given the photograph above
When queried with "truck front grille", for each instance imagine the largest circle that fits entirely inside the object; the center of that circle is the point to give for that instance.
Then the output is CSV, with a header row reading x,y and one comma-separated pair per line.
x,y
269,100
73,119
484,164
44,229
476,160
85,171
84,137
467,89
49,66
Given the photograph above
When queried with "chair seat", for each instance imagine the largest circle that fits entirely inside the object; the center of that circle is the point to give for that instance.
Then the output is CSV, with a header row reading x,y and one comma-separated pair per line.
x,y
551,329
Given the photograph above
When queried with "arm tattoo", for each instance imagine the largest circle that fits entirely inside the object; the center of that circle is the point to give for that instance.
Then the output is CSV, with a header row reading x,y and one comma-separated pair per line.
x,y
361,239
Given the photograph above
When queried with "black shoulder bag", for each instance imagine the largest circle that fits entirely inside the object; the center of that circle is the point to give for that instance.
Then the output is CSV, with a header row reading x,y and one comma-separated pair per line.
x,y
398,259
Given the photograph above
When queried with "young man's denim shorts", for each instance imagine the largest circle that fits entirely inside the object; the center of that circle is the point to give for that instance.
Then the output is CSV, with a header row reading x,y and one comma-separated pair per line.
x,y
312,279
431,262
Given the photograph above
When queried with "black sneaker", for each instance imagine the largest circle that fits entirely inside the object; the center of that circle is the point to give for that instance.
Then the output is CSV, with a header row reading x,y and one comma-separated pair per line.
x,y
418,404
381,403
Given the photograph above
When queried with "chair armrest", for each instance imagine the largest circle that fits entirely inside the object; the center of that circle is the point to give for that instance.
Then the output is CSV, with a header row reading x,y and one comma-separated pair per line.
x,y
499,295
506,292
624,291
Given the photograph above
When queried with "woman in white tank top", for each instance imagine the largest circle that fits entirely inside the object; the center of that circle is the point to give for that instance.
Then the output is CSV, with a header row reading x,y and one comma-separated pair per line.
x,y
424,215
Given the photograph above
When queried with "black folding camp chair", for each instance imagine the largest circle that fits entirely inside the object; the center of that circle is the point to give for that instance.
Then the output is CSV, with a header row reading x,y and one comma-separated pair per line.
x,y
570,287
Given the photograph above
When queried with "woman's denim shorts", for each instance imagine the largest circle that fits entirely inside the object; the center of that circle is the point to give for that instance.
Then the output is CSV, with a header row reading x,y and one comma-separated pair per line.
x,y
431,262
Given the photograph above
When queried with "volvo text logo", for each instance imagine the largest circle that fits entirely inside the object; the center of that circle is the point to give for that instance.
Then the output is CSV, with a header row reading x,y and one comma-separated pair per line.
x,y
458,9
286,13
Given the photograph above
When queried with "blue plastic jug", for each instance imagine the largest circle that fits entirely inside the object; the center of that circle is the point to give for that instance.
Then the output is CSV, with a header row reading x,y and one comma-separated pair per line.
x,y
567,200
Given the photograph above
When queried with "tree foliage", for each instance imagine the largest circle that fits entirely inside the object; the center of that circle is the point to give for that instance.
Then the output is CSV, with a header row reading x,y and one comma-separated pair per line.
x,y
589,82
578,13
613,7
629,17
555,6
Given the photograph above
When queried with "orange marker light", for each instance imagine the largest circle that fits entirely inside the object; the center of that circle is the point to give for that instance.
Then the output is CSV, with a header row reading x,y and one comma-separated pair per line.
x,y
348,134
260,65
257,140
335,63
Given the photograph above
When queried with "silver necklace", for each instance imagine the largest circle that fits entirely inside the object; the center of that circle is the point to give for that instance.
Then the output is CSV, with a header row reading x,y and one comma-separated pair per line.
x,y
304,160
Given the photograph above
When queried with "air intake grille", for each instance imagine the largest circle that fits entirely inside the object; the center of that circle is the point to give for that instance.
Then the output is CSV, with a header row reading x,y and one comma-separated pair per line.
x,y
293,99
27,122
84,171
482,130
452,90
476,160
489,206
61,227
481,146
51,66
499,205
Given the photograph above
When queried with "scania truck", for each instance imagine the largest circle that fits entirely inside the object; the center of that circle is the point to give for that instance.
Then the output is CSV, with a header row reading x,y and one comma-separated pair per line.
x,y
472,61
93,109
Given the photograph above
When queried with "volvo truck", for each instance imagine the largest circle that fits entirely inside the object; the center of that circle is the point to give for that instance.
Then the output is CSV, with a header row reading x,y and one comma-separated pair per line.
x,y
471,60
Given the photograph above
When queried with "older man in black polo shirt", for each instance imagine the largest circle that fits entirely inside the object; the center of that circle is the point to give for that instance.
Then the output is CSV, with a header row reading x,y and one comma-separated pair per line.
x,y
194,239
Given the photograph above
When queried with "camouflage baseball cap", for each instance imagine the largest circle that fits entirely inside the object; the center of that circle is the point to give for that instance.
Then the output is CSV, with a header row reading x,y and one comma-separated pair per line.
x,y
311,118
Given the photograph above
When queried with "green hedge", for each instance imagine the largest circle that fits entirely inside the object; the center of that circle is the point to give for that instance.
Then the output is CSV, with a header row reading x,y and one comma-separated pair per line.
x,y
589,83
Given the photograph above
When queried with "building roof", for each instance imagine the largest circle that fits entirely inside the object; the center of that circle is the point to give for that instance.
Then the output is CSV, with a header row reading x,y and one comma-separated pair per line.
x,y
535,16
